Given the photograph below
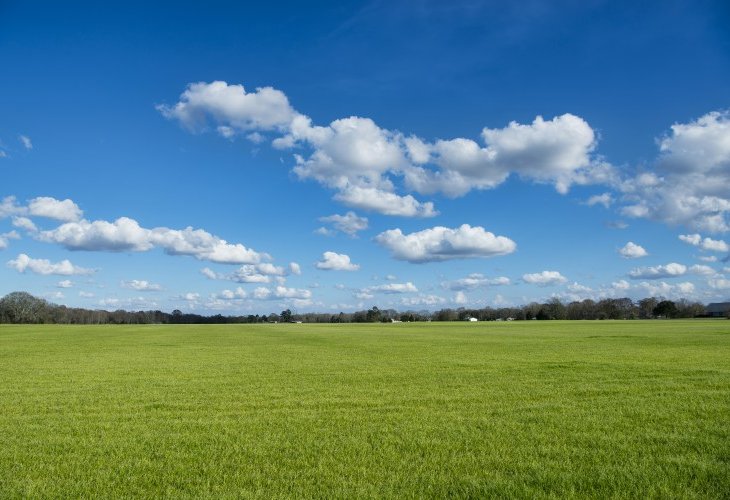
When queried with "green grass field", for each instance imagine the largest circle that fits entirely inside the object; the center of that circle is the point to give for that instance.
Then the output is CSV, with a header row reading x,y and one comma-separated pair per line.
x,y
519,409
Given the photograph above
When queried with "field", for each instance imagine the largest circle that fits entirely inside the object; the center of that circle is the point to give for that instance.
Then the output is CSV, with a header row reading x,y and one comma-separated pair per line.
x,y
518,409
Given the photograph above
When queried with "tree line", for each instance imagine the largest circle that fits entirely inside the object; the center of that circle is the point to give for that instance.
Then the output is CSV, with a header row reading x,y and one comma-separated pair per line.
x,y
22,307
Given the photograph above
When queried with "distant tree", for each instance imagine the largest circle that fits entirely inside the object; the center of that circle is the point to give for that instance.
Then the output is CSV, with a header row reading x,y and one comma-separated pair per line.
x,y
285,316
373,315
22,307
646,307
666,308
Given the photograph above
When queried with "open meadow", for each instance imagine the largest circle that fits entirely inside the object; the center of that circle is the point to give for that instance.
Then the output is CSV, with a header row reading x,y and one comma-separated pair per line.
x,y
519,409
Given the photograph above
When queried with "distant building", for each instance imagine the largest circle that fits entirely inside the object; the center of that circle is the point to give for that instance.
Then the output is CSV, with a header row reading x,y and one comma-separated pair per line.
x,y
718,309
472,319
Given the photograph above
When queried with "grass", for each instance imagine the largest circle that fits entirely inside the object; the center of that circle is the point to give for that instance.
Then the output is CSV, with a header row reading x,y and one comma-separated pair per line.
x,y
519,409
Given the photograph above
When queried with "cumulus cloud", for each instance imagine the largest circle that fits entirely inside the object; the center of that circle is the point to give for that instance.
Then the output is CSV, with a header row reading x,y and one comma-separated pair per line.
x,y
719,283
390,288
460,298
230,107
281,292
706,243
544,278
691,184
349,223
604,199
62,210
670,270
632,251
43,266
125,234
132,303
248,273
360,160
294,268
141,286
422,300
238,293
24,223
332,261
702,270
65,284
473,281
384,202
9,207
664,289
441,243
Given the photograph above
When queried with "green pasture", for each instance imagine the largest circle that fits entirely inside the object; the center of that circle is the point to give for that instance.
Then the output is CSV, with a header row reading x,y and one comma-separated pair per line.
x,y
514,409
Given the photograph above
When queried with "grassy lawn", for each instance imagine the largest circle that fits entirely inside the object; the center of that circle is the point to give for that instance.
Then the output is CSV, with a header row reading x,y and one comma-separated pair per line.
x,y
519,409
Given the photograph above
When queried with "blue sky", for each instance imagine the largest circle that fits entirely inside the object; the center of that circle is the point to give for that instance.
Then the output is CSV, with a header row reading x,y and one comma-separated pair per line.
x,y
248,158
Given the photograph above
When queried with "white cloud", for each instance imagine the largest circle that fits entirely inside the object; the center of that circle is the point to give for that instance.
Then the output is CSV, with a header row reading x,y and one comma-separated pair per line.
x,y
350,223
9,207
132,303
708,258
294,268
544,278
604,199
390,288
719,283
473,281
238,293
209,273
663,289
141,286
25,141
24,223
460,298
384,202
86,295
360,159
5,237
670,270
332,261
230,106
45,267
706,243
422,300
247,273
442,243
621,285
632,251
702,270
63,210
576,287
126,234
65,284
691,185
281,292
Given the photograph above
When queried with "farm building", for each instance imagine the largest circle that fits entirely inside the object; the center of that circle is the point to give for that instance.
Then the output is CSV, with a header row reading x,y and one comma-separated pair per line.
x,y
471,319
718,309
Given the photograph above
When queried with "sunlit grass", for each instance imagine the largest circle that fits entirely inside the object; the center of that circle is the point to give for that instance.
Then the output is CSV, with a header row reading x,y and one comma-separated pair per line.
x,y
453,409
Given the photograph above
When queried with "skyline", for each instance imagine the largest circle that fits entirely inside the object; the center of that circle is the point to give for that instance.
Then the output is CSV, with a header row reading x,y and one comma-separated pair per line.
x,y
365,154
